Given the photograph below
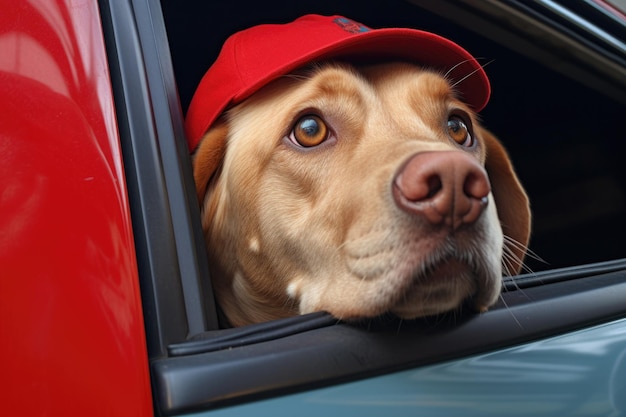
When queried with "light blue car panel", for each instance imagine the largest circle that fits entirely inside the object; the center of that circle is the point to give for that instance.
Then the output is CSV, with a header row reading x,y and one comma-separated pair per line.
x,y
578,374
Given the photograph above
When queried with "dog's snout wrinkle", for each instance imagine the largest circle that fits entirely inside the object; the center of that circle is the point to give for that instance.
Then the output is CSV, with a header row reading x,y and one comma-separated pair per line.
x,y
444,187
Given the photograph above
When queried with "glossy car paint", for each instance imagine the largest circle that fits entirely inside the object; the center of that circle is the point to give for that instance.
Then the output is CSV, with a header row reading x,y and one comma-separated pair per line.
x,y
577,374
70,313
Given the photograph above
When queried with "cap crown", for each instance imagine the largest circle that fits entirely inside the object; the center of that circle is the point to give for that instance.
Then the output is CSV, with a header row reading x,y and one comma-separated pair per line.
x,y
252,58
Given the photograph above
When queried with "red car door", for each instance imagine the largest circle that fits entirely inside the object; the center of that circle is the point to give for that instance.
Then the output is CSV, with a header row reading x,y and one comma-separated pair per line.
x,y
71,325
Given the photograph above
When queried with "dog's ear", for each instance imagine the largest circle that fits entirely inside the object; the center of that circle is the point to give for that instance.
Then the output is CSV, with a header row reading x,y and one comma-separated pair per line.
x,y
511,201
208,156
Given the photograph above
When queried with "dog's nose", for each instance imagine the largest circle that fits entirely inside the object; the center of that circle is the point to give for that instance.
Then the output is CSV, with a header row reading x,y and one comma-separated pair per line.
x,y
444,187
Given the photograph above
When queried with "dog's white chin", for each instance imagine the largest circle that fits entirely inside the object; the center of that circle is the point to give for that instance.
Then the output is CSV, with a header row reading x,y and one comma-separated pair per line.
x,y
445,288
442,288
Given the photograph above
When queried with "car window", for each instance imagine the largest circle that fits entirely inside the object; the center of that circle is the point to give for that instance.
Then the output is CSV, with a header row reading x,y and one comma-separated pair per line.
x,y
546,104
558,93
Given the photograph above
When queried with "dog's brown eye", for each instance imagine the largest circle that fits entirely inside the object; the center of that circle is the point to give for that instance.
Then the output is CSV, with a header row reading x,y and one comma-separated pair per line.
x,y
310,131
458,131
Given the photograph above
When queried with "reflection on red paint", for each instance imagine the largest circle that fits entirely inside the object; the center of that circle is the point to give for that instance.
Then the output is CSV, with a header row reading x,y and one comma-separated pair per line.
x,y
70,312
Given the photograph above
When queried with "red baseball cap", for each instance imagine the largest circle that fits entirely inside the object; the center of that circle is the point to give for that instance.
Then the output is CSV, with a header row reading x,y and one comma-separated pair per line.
x,y
252,58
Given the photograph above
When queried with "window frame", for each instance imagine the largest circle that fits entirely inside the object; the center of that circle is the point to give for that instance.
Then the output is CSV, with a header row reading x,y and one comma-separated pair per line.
x,y
171,253
307,351
340,352
588,54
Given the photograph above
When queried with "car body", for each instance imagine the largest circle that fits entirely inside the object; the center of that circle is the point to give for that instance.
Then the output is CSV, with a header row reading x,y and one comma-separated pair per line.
x,y
106,305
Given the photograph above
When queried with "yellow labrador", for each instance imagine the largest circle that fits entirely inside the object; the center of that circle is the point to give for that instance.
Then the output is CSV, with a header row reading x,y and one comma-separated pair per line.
x,y
357,191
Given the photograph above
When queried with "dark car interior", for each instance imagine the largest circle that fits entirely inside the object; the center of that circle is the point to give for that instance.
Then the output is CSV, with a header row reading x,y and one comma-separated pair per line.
x,y
558,95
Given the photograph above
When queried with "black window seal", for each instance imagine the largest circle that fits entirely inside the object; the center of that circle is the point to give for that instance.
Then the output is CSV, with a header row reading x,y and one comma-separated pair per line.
x,y
551,276
212,341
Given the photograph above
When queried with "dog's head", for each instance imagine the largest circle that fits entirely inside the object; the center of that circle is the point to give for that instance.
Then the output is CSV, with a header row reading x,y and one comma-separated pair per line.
x,y
357,190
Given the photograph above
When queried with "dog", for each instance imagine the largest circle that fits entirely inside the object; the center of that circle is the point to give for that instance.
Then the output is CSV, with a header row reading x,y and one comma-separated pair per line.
x,y
341,168
359,191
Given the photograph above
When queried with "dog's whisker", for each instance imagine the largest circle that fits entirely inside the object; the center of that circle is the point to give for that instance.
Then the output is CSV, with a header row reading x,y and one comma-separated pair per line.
x,y
533,255
470,74
511,244
511,262
400,322
510,311
509,259
297,77
455,67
